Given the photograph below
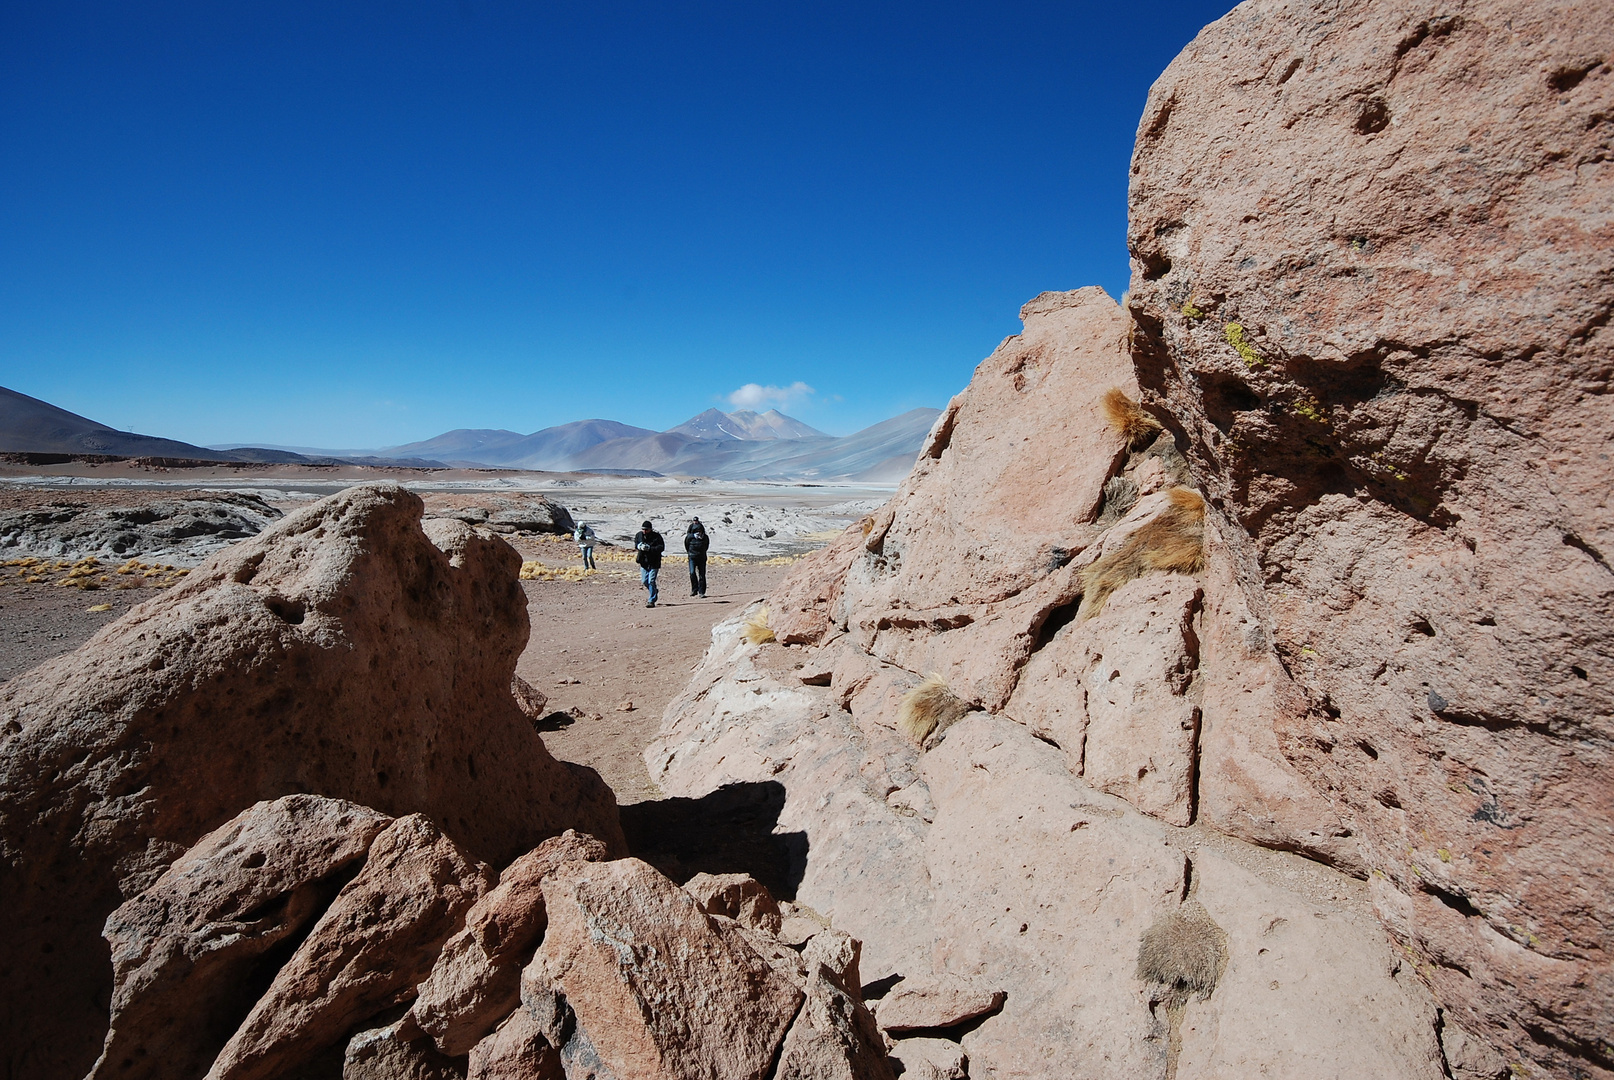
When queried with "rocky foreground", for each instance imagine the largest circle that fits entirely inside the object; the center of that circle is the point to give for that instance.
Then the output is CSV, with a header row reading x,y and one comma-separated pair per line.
x,y
1225,693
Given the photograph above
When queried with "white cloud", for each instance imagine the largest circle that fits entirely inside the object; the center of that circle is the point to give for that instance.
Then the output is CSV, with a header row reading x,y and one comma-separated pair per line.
x,y
755,396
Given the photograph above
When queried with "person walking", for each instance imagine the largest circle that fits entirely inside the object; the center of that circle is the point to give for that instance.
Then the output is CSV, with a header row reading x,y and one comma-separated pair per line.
x,y
696,544
648,542
585,543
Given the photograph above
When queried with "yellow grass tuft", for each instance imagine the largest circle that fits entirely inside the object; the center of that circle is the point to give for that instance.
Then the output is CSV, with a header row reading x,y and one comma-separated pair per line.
x,y
928,710
1173,542
755,629
1184,952
1128,418
99,608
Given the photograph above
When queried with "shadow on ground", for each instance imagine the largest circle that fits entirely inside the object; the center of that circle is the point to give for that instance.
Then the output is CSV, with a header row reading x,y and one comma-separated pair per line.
x,y
730,831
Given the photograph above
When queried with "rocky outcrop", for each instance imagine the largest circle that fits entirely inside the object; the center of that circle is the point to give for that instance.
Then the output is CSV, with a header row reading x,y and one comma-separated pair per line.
x,y
344,652
187,951
1338,587
185,530
368,951
660,989
1373,268
476,980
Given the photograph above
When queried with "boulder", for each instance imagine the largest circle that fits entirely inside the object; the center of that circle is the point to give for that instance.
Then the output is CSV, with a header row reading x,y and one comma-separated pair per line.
x,y
344,653
187,952
475,981
659,988
1373,263
379,1054
935,1001
516,1051
931,1059
366,953
834,1037
738,896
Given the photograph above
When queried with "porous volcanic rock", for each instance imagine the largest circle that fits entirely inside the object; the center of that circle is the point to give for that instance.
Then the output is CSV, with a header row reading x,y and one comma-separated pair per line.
x,y
344,652
1373,268
378,1054
476,979
516,1051
185,530
185,951
660,988
739,897
366,953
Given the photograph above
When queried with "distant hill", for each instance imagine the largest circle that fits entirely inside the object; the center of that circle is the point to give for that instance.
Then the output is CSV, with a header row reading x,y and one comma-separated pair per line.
x,y
551,448
746,425
725,446
31,426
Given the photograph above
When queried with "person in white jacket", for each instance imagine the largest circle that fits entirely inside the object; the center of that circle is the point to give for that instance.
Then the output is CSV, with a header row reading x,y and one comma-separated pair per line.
x,y
585,543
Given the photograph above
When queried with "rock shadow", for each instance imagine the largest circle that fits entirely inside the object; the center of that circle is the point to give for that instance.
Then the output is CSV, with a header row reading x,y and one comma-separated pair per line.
x,y
730,831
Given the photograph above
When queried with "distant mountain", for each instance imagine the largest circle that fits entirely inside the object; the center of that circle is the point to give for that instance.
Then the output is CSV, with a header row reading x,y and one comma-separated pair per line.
x,y
552,448
878,451
725,446
746,425
31,426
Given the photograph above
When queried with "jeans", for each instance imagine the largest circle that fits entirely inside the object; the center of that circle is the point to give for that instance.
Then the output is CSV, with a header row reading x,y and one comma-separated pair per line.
x,y
697,575
588,558
649,573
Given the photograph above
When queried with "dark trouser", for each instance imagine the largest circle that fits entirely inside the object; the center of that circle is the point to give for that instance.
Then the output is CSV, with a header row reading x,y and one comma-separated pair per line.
x,y
697,575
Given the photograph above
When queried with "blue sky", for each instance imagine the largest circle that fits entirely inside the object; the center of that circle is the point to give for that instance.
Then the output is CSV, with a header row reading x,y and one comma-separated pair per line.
x,y
356,225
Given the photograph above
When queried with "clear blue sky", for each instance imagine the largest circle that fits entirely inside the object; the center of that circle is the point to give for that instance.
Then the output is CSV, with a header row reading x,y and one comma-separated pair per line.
x,y
355,225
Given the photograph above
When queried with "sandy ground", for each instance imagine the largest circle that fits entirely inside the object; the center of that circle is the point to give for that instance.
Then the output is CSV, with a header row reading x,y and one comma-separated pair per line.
x,y
595,648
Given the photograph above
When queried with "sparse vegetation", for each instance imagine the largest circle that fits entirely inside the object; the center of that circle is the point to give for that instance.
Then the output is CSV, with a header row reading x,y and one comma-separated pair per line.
x,y
928,710
1172,542
89,574
1236,338
1184,952
1128,418
755,629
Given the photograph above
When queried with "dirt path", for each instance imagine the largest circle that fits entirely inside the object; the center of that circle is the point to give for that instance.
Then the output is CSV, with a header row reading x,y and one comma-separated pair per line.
x,y
599,633
596,631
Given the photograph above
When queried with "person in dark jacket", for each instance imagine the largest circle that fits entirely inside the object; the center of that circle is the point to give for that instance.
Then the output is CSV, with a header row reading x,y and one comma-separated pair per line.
x,y
648,542
696,543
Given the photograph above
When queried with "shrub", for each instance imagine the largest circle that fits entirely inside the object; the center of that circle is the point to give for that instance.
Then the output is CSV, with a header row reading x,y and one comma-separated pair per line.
x,y
1172,542
928,710
1184,952
1128,418
755,629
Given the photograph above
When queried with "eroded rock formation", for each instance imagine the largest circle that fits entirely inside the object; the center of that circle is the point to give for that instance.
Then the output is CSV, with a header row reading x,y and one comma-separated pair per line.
x,y
344,652
1322,668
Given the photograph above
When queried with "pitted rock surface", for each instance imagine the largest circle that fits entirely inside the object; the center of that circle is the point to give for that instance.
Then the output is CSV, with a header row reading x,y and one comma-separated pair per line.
x,y
1373,256
344,652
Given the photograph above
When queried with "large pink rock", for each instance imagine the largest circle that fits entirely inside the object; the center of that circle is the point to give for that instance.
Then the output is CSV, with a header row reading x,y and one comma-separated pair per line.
x,y
184,950
659,988
516,1051
344,652
1373,264
476,979
365,954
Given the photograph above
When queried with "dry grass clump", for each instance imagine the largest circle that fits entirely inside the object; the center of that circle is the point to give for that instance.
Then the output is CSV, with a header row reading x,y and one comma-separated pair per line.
x,y
533,570
1128,418
1184,952
780,560
928,710
1172,542
755,629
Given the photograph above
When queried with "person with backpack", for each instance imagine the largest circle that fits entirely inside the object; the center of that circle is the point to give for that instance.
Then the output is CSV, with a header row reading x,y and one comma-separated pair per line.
x,y
649,544
585,543
696,544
